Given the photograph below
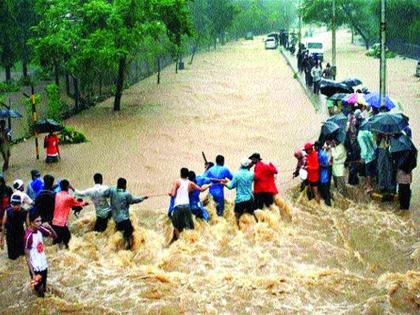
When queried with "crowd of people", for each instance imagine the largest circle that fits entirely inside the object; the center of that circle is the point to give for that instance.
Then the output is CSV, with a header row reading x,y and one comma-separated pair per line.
x,y
44,207
359,154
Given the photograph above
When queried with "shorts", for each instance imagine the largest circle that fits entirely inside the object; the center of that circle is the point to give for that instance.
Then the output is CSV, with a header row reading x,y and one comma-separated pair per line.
x,y
313,184
126,227
101,223
63,235
182,218
51,159
263,199
371,168
245,207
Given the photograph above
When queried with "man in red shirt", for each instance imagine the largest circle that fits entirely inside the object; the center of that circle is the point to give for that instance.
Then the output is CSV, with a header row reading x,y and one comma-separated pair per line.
x,y
312,166
51,145
63,204
264,185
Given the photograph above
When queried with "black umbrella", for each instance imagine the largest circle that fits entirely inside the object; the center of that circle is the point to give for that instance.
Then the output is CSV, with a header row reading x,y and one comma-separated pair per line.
x,y
48,125
9,113
388,123
329,88
337,96
340,119
401,143
351,82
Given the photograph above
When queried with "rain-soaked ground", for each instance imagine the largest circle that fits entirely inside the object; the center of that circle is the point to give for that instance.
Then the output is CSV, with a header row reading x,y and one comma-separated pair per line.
x,y
356,257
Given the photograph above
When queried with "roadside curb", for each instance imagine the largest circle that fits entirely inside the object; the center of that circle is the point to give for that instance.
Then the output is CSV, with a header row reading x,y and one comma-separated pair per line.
x,y
314,100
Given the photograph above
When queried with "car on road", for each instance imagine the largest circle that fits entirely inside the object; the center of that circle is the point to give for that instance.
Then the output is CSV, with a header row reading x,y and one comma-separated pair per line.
x,y
315,49
270,43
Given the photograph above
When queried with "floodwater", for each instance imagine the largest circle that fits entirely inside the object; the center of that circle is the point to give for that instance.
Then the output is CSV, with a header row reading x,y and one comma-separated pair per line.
x,y
353,258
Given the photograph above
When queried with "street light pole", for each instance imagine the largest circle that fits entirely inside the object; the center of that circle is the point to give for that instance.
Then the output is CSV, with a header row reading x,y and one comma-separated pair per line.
x,y
334,48
382,76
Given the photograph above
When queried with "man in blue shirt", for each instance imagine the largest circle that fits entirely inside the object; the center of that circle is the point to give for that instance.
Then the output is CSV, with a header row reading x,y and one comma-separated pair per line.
x,y
242,181
35,186
216,174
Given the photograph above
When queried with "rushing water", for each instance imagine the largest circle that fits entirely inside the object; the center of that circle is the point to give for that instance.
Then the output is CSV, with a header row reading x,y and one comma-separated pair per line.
x,y
354,258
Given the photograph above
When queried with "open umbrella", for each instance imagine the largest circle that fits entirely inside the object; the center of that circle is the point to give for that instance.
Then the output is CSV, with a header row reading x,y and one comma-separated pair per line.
x,y
401,143
9,113
337,96
354,98
340,119
374,100
351,82
388,123
329,88
48,125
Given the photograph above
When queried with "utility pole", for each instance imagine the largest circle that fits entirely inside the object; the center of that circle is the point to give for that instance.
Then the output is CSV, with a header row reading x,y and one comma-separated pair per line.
x,y
334,48
382,74
300,25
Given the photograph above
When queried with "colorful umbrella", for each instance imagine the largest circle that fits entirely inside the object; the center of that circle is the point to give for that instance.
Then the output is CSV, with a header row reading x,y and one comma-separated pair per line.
x,y
355,98
374,100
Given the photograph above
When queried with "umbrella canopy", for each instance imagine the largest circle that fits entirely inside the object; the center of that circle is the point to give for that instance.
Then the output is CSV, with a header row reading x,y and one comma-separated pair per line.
x,y
355,98
340,119
401,143
351,82
374,100
329,88
48,125
329,127
337,96
6,113
388,123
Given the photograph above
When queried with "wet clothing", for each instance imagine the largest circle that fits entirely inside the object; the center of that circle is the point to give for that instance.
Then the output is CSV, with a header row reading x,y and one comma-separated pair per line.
x,y
102,223
339,157
196,206
45,204
182,218
63,204
367,145
324,166
182,193
120,203
245,207
312,166
264,178
126,228
63,235
5,194
404,178
15,232
217,190
34,187
41,287
263,199
386,179
242,181
35,245
96,194
51,144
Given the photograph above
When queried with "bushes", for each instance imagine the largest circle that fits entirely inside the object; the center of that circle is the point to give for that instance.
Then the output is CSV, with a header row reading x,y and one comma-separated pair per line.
x,y
9,86
375,52
56,107
71,136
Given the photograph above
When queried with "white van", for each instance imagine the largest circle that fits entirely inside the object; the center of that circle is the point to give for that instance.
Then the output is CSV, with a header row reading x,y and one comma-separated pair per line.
x,y
315,48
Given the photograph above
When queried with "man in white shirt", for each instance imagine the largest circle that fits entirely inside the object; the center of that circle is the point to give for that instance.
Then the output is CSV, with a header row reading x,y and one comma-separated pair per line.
x,y
19,188
96,194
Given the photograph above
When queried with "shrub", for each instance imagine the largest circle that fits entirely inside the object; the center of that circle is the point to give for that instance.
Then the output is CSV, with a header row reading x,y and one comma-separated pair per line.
x,y
56,106
375,52
25,81
9,86
71,136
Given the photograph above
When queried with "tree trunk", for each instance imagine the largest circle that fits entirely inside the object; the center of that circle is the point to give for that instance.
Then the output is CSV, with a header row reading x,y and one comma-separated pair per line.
x,y
356,26
176,64
68,84
158,70
8,70
193,54
223,38
56,74
100,84
215,42
76,94
25,67
119,85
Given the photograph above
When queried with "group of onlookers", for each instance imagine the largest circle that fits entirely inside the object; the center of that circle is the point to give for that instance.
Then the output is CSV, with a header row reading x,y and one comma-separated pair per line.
x,y
361,154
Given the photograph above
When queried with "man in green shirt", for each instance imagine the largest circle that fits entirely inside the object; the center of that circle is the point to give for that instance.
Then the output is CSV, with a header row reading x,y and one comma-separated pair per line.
x,y
121,200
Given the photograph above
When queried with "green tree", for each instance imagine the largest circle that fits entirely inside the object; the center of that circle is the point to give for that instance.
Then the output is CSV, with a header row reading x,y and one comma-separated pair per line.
x,y
221,14
8,36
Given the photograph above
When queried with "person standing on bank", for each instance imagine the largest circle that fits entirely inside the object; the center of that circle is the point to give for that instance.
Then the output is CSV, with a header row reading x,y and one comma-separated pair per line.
x,y
316,73
312,166
121,200
5,144
264,182
102,208
51,142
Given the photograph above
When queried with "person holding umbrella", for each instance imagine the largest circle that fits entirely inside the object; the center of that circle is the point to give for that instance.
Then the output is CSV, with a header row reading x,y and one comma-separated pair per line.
x,y
51,142
4,144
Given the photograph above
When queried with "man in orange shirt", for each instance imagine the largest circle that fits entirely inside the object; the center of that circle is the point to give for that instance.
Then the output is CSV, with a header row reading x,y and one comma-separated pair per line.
x,y
51,145
64,202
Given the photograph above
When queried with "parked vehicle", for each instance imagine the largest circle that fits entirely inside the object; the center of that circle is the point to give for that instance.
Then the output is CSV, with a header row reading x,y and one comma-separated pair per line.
x,y
270,43
275,36
316,49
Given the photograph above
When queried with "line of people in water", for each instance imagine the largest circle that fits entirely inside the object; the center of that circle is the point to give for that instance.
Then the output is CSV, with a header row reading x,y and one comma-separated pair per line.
x,y
45,207
363,154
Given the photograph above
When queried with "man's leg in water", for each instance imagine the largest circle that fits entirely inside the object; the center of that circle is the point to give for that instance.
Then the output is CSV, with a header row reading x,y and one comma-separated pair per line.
x,y
220,205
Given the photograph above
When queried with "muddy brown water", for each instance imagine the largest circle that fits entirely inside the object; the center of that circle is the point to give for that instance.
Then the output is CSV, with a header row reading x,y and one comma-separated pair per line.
x,y
353,258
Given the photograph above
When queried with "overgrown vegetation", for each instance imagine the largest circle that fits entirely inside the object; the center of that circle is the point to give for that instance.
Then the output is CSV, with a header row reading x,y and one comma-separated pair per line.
x,y
71,136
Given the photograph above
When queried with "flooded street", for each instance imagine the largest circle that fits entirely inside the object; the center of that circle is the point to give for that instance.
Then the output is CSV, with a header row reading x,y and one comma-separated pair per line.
x,y
353,258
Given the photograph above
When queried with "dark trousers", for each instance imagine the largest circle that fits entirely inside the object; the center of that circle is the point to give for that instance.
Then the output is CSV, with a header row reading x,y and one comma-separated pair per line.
x,y
316,86
15,244
263,199
404,194
353,174
324,190
63,235
101,223
41,287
